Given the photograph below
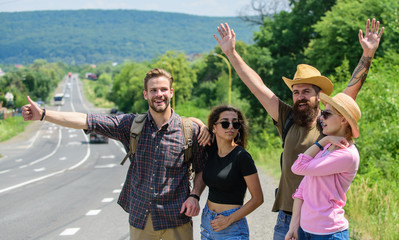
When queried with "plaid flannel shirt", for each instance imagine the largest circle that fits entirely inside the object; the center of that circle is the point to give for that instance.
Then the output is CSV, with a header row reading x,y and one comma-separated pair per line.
x,y
157,180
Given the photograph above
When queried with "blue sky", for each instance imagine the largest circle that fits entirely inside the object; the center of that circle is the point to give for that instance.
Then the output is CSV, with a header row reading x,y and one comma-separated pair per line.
x,y
195,7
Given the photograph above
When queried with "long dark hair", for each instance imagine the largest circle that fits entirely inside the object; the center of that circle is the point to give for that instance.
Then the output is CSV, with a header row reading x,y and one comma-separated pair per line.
x,y
241,138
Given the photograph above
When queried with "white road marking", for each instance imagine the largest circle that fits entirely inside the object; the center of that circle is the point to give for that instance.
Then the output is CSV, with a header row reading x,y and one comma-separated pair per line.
x,y
41,159
107,200
30,181
119,144
69,231
110,156
117,191
85,158
47,136
19,160
105,166
52,153
39,169
5,171
72,135
74,143
63,158
93,212
32,140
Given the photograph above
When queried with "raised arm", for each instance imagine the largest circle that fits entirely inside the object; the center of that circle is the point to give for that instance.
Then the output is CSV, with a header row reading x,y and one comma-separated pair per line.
x,y
369,42
31,112
253,81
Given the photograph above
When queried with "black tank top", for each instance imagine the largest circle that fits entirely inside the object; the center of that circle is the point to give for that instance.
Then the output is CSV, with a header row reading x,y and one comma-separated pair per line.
x,y
225,176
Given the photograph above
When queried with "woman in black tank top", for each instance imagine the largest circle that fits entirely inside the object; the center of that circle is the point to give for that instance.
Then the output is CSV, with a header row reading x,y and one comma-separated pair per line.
x,y
228,173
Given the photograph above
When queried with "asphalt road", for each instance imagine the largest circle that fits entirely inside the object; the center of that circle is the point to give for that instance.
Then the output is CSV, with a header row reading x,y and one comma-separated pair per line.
x,y
55,185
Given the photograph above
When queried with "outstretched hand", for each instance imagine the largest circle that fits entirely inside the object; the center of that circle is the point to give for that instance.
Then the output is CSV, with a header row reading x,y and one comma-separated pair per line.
x,y
227,39
371,40
31,112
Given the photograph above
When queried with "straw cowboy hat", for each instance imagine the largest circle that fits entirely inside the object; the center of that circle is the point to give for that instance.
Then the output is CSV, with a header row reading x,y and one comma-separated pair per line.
x,y
347,107
310,75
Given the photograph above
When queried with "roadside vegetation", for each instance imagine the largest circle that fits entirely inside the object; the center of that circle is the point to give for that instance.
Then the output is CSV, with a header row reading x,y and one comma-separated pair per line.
x,y
11,127
328,41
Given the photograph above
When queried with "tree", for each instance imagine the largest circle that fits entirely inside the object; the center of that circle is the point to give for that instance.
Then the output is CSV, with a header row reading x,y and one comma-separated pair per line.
x,y
184,76
127,90
286,36
336,33
258,10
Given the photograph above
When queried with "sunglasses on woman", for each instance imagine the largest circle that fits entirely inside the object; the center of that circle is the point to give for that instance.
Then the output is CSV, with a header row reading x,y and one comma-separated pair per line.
x,y
325,114
226,124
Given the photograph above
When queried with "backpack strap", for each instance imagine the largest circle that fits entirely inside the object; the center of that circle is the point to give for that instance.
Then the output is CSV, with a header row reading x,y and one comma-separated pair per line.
x,y
188,139
135,133
287,125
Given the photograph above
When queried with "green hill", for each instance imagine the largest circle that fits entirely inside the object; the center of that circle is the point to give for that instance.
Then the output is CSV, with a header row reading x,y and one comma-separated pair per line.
x,y
91,36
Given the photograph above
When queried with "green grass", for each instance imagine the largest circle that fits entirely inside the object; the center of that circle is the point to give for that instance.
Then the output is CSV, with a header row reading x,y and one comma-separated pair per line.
x,y
11,127
373,210
89,91
266,159
188,109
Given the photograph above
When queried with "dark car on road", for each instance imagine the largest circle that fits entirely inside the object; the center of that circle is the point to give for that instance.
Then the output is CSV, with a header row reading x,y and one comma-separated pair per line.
x,y
97,138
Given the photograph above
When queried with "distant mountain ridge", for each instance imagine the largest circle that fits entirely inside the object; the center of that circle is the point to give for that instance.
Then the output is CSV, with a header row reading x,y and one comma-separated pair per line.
x,y
92,36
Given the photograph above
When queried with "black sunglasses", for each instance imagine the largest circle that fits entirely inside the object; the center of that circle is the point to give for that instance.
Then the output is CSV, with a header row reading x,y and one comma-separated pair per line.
x,y
226,124
325,114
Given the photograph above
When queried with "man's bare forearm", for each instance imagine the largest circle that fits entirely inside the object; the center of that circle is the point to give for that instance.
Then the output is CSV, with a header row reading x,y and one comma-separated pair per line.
x,y
67,119
358,77
199,184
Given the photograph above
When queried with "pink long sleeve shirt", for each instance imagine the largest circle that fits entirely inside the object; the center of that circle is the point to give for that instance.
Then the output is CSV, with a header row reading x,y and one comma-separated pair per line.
x,y
323,189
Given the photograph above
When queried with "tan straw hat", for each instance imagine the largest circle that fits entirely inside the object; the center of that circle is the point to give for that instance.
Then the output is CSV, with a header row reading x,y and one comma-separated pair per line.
x,y
347,107
310,75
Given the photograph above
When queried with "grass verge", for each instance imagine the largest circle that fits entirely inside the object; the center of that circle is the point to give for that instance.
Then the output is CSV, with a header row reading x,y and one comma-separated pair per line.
x,y
11,127
373,210
89,91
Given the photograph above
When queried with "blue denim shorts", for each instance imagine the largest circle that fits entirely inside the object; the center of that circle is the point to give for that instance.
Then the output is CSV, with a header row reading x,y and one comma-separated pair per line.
x,y
236,231
343,235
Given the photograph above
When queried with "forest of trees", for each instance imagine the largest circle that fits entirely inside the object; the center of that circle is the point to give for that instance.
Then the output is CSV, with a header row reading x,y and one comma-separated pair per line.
x,y
322,33
92,36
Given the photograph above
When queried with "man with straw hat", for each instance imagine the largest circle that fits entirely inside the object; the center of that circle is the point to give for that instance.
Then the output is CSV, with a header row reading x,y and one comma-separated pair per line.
x,y
329,167
305,86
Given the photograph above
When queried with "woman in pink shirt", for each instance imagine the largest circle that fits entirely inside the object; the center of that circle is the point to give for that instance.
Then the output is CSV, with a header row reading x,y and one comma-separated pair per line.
x,y
329,167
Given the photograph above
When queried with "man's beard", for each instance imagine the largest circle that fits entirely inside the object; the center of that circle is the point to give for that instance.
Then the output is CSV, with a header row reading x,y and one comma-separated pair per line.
x,y
305,117
158,109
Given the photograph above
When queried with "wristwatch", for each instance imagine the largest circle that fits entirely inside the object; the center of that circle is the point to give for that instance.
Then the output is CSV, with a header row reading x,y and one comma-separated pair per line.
x,y
195,196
